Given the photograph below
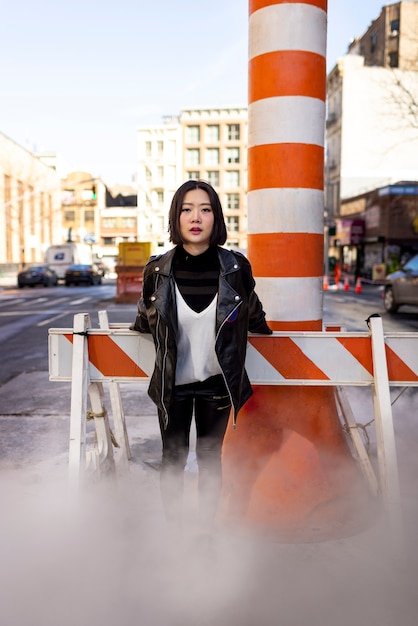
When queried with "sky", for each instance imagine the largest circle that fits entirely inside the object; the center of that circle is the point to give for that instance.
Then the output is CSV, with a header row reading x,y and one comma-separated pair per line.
x,y
79,78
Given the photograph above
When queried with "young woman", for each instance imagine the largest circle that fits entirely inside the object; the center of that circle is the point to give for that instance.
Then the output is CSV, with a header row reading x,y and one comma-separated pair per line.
x,y
199,303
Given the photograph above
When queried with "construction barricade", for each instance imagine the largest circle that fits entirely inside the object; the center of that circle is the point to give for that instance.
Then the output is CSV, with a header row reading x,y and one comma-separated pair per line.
x,y
88,357
132,258
128,283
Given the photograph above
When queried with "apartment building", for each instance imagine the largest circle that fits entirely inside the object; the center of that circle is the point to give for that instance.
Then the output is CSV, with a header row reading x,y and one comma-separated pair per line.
x,y
391,39
215,149
372,122
30,209
372,114
158,175
83,199
204,143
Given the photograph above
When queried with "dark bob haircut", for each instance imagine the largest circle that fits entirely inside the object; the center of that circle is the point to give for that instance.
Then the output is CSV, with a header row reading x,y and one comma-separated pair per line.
x,y
218,236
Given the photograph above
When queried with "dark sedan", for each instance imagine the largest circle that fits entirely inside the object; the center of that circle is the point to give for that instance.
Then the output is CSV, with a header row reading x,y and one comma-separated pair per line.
x,y
37,275
401,287
83,274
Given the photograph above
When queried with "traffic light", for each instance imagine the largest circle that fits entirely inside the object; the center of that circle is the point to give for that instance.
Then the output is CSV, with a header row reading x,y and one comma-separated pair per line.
x,y
94,193
332,230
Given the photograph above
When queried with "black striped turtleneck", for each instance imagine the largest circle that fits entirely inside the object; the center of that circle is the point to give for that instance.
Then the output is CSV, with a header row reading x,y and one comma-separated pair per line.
x,y
197,276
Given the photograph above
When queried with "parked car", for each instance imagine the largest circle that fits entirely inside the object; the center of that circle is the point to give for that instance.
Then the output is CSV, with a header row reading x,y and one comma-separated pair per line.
x,y
78,274
401,287
37,275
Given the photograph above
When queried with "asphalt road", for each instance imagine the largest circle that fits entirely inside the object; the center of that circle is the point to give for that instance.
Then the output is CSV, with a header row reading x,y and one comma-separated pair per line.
x,y
26,315
109,563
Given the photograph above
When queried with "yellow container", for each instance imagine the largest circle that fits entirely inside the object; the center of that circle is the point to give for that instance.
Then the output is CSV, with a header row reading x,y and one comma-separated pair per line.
x,y
134,253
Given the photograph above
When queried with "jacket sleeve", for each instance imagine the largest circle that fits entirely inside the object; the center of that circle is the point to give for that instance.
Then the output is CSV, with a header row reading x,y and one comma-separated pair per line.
x,y
257,318
256,315
141,321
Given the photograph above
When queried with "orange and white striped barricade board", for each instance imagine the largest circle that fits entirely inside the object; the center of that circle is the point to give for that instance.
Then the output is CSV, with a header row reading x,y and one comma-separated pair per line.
x,y
84,355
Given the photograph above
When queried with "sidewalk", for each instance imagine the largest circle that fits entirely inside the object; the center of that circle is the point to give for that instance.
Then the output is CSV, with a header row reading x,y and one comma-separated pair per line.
x,y
8,281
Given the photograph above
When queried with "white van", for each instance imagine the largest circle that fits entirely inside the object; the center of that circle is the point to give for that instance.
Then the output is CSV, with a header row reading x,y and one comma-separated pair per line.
x,y
59,257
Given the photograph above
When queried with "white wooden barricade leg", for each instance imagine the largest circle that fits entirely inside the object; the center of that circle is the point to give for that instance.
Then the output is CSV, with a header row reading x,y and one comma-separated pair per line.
x,y
100,458
81,388
79,384
117,412
385,434
359,447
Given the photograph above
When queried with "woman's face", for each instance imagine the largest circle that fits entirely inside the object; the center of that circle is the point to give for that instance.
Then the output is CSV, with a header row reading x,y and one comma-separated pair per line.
x,y
196,221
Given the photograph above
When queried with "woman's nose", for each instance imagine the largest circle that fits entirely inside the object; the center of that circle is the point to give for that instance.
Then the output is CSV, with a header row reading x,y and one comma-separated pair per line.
x,y
195,215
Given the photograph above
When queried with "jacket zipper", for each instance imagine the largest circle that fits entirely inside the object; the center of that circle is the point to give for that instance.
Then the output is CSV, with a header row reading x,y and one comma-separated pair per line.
x,y
234,419
164,361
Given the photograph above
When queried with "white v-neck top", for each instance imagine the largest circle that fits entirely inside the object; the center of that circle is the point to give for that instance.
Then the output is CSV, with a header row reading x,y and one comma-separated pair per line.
x,y
196,357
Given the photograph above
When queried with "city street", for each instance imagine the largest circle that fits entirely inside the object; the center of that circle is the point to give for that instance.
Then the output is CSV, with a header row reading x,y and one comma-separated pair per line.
x,y
116,551
26,315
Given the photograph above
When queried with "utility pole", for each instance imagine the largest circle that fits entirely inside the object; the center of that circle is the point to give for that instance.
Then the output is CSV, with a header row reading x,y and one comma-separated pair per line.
x,y
287,466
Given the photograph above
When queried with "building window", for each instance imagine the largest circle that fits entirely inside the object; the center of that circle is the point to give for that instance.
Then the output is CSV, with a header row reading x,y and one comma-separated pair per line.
x,y
212,133
233,132
148,149
212,156
69,216
89,216
160,199
213,178
232,224
393,59
160,149
192,134
394,28
373,43
109,222
128,222
193,175
148,175
232,178
232,155
232,201
193,156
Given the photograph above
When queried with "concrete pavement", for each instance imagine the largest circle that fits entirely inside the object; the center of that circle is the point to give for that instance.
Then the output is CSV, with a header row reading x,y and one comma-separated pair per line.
x,y
110,557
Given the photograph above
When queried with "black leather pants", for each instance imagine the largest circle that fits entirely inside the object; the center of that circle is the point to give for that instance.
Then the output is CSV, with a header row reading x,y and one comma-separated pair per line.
x,y
210,402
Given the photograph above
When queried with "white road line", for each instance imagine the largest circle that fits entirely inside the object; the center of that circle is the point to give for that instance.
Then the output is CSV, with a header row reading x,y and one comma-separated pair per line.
x,y
5,302
52,319
80,301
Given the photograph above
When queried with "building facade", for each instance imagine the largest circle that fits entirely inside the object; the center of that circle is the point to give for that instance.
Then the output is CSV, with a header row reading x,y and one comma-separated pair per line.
x,y
208,144
371,127
158,175
30,209
391,39
378,230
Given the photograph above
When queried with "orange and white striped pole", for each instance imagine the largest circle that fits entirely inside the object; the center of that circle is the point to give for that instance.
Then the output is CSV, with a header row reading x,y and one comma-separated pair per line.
x,y
287,467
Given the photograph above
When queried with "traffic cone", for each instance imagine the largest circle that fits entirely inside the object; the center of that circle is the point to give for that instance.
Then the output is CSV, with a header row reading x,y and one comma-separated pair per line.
x,y
346,284
358,285
325,283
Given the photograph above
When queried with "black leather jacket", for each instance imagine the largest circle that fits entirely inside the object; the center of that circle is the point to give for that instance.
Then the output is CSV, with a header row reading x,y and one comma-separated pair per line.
x,y
238,311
